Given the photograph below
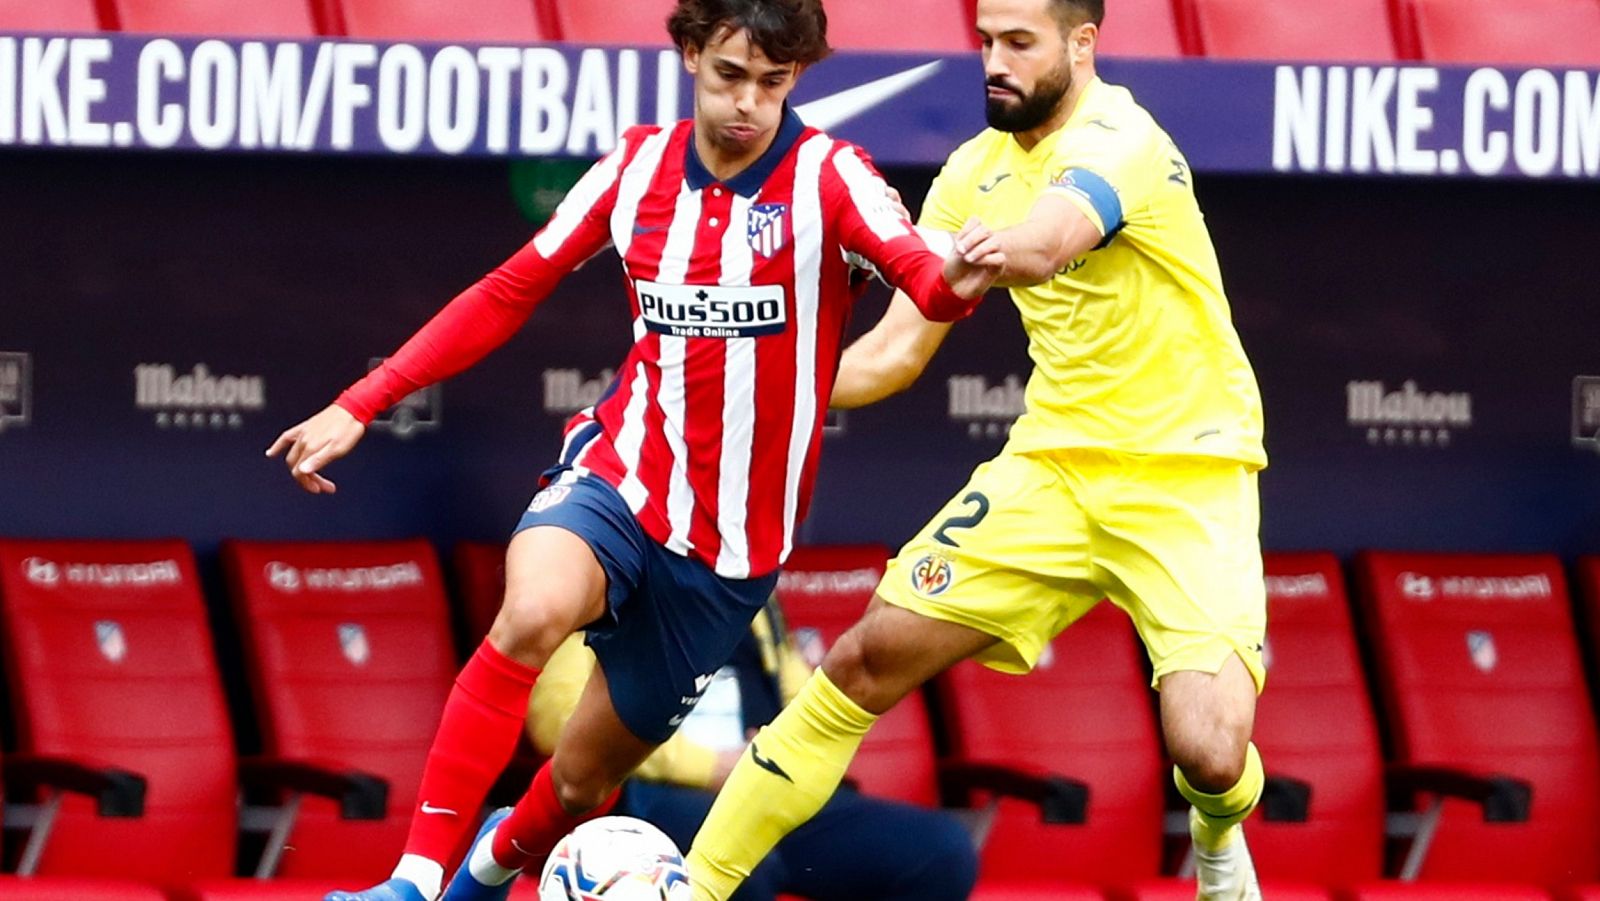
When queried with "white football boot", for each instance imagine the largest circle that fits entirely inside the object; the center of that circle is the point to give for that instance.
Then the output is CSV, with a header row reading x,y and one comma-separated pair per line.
x,y
1225,875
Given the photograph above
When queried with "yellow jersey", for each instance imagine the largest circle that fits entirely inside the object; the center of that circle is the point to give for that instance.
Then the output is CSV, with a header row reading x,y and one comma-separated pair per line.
x,y
1133,345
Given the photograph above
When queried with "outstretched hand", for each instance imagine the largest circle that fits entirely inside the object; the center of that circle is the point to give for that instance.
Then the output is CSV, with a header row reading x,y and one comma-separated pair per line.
x,y
315,443
975,261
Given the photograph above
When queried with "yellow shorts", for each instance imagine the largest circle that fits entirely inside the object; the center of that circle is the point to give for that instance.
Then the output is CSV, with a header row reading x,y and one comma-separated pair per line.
x,y
1035,540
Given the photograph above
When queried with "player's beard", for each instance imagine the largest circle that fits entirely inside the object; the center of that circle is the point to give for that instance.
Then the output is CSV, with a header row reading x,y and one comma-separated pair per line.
x,y
1035,108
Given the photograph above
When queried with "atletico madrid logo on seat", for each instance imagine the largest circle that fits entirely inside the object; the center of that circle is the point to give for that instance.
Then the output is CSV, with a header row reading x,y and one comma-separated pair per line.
x,y
353,640
768,228
113,644
1480,645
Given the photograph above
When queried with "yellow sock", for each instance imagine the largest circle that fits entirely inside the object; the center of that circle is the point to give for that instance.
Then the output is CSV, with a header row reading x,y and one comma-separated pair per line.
x,y
791,770
1218,814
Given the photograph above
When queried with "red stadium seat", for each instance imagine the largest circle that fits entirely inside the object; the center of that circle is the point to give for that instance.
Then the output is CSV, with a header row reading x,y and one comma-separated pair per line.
x,y
262,890
1183,890
61,15
479,568
506,21
1141,28
588,22
823,591
350,660
1532,32
109,661
923,26
259,18
67,888
1085,714
1315,724
1449,892
1294,29
1478,670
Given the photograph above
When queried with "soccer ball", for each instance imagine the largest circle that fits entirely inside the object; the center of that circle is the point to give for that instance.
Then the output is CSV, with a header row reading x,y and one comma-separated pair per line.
x,y
615,859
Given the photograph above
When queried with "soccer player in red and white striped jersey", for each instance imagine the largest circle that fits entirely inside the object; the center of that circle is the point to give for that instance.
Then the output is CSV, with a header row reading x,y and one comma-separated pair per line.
x,y
676,497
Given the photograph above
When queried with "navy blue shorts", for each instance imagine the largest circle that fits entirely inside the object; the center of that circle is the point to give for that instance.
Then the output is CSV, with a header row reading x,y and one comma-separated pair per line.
x,y
671,623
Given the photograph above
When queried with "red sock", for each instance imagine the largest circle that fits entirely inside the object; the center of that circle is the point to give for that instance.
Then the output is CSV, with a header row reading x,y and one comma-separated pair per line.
x,y
477,736
538,822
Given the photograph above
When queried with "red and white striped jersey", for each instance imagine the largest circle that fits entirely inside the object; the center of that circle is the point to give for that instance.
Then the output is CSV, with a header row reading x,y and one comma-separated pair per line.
x,y
739,291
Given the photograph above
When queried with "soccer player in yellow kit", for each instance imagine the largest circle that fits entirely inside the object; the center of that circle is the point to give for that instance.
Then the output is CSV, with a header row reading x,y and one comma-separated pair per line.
x,y
1132,475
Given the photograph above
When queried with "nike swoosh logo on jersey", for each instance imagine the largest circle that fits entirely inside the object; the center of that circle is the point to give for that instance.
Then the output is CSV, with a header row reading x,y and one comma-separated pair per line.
x,y
994,184
829,112
646,229
430,809
768,764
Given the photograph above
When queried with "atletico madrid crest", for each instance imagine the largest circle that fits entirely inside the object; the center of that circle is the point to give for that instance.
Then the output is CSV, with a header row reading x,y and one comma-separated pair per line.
x,y
768,228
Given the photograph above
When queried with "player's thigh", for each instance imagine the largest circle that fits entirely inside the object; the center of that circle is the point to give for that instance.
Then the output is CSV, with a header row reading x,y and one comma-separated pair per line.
x,y
861,847
1177,545
577,553
1008,556
552,574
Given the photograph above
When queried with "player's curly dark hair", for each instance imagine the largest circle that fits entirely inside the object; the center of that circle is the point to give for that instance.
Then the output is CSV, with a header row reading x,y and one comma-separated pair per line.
x,y
787,31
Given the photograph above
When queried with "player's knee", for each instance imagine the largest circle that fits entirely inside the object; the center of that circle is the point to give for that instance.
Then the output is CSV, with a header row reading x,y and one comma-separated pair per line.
x,y
581,789
853,668
530,626
1212,767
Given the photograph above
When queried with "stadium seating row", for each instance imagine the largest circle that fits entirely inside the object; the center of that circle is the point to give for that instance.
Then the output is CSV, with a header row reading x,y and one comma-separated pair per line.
x,y
1469,759
1536,32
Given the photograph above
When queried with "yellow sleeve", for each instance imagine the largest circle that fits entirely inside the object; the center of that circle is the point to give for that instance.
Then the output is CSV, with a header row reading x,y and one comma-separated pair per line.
x,y
555,697
1105,170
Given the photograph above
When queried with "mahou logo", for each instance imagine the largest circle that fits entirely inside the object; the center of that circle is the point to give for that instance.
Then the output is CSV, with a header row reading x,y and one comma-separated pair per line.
x,y
1409,416
987,410
197,399
566,391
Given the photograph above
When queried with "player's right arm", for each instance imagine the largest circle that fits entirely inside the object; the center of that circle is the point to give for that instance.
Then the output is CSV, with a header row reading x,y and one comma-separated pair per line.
x,y
477,321
1100,175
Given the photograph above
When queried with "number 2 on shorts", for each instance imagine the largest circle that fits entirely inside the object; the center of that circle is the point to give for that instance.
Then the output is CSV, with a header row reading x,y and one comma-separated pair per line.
x,y
964,521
